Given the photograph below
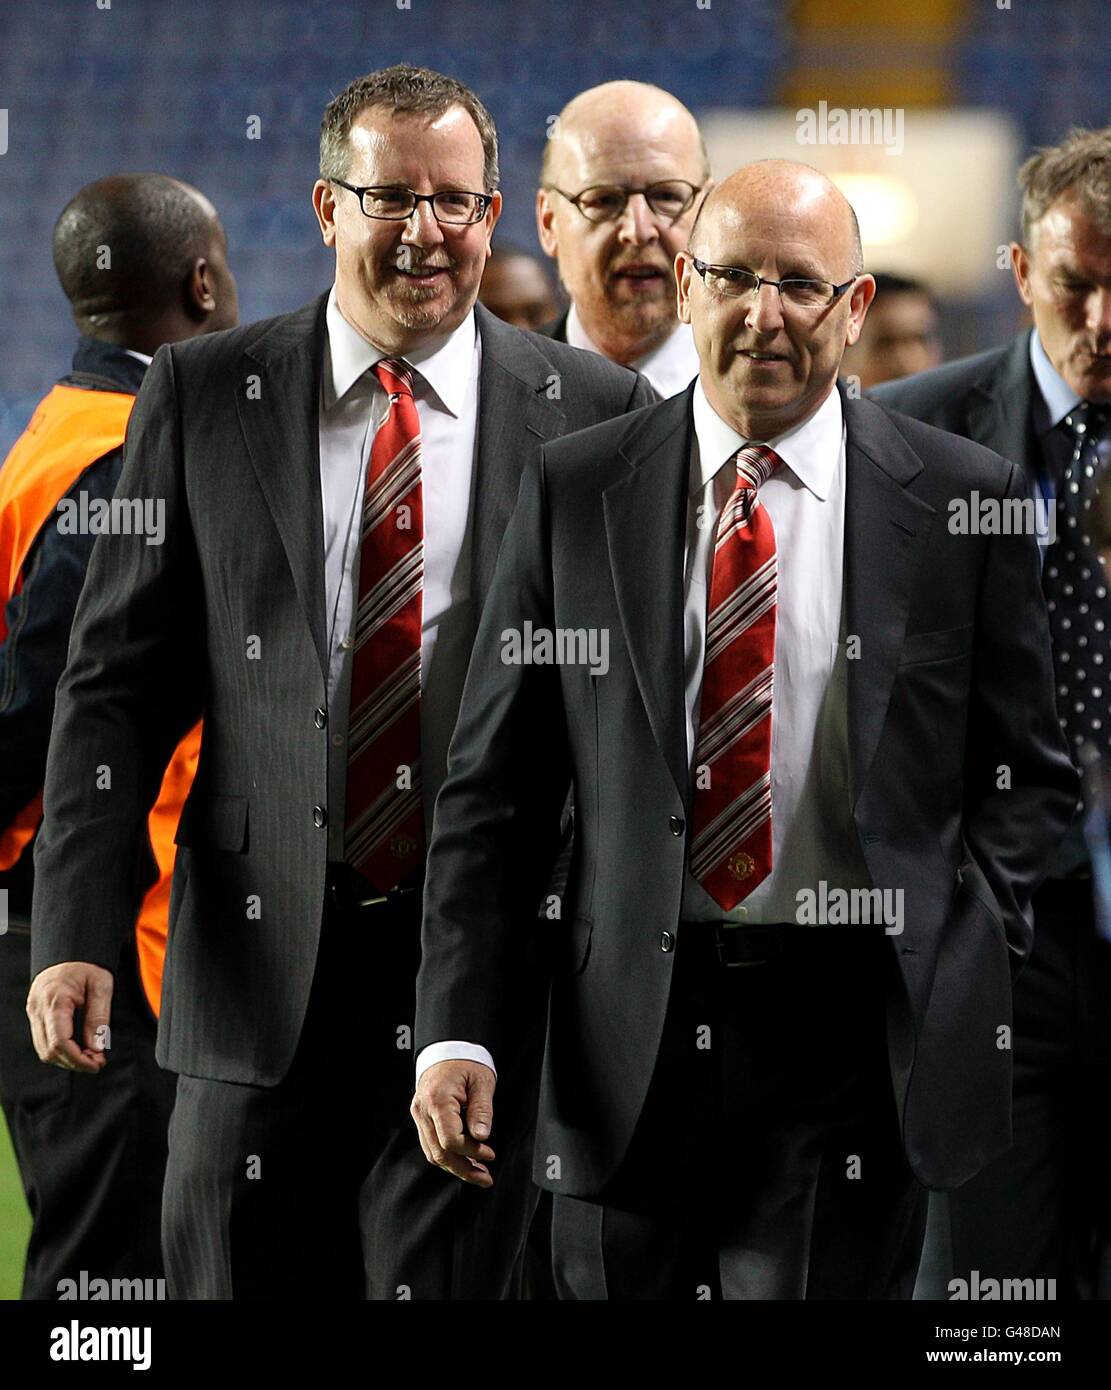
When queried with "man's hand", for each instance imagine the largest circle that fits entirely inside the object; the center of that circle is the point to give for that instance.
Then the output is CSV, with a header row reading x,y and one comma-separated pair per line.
x,y
454,1112
55,994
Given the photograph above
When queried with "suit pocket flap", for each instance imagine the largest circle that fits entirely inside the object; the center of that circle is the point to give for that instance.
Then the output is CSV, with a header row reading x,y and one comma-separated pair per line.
x,y
217,822
942,645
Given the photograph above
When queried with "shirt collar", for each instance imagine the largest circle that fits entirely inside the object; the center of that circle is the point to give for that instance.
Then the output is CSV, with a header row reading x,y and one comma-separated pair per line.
x,y
1060,399
444,367
668,367
122,365
671,366
810,450
576,334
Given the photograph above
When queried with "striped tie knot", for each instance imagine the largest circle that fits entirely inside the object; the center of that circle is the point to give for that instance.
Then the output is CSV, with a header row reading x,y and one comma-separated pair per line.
x,y
755,463
394,376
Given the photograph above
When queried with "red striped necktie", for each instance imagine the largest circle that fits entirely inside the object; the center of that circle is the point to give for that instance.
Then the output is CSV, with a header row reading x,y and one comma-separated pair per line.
x,y
384,823
731,846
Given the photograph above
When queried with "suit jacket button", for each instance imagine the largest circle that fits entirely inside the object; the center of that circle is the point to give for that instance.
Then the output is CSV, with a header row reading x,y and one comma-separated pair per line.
x,y
320,717
676,824
319,817
667,941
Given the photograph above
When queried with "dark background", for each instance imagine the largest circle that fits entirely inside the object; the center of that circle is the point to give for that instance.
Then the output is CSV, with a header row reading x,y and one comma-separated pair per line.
x,y
170,84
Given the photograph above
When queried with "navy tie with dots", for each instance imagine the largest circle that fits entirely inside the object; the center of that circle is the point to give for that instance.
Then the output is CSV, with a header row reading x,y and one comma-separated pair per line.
x,y
1076,592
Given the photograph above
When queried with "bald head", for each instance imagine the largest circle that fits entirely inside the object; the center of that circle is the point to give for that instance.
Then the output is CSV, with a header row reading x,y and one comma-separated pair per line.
x,y
613,120
769,352
140,258
616,251
781,193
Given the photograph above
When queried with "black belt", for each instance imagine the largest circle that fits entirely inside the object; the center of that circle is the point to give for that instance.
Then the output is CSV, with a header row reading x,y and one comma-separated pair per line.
x,y
757,945
348,891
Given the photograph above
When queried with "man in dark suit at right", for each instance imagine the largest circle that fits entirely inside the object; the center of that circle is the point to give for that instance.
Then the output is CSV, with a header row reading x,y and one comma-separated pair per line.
x,y
1044,401
781,670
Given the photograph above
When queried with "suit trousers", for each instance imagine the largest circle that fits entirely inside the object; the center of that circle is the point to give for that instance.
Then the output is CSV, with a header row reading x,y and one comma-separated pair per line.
x,y
91,1149
1043,1209
767,1162
319,1185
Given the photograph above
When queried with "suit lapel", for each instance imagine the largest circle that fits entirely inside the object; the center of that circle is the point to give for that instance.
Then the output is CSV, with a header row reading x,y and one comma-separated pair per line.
x,y
999,409
515,416
646,522
278,401
886,529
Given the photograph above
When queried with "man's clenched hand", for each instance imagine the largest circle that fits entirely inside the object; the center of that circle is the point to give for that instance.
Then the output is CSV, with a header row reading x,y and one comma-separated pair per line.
x,y
454,1113
55,995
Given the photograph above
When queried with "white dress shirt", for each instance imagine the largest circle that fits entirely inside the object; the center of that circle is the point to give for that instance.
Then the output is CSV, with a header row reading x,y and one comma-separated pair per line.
x,y
670,368
352,407
813,837
812,833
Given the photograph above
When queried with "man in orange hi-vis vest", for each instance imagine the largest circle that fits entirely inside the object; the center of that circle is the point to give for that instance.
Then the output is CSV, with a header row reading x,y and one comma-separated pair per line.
x,y
142,260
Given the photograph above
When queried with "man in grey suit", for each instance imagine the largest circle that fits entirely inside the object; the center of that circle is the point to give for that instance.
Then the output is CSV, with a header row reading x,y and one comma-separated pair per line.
x,y
335,485
817,773
1043,1210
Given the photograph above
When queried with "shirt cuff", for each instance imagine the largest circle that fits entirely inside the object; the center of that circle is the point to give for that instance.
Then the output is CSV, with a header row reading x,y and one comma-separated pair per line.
x,y
452,1051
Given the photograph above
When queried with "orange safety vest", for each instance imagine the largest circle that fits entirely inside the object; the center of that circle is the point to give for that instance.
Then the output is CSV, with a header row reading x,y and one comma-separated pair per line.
x,y
69,431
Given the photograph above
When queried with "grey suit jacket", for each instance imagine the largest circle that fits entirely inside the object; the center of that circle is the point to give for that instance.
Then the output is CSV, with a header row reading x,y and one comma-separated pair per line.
x,y
988,397
226,619
953,682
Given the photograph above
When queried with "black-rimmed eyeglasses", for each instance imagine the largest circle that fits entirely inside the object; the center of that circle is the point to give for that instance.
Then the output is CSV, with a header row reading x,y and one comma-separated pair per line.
x,y
391,204
735,282
604,202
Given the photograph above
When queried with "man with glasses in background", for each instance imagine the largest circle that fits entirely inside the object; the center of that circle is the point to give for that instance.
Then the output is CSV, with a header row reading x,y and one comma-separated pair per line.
x,y
623,171
336,483
801,883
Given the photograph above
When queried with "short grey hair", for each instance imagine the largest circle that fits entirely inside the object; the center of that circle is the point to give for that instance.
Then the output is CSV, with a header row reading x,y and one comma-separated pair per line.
x,y
405,90
1080,164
